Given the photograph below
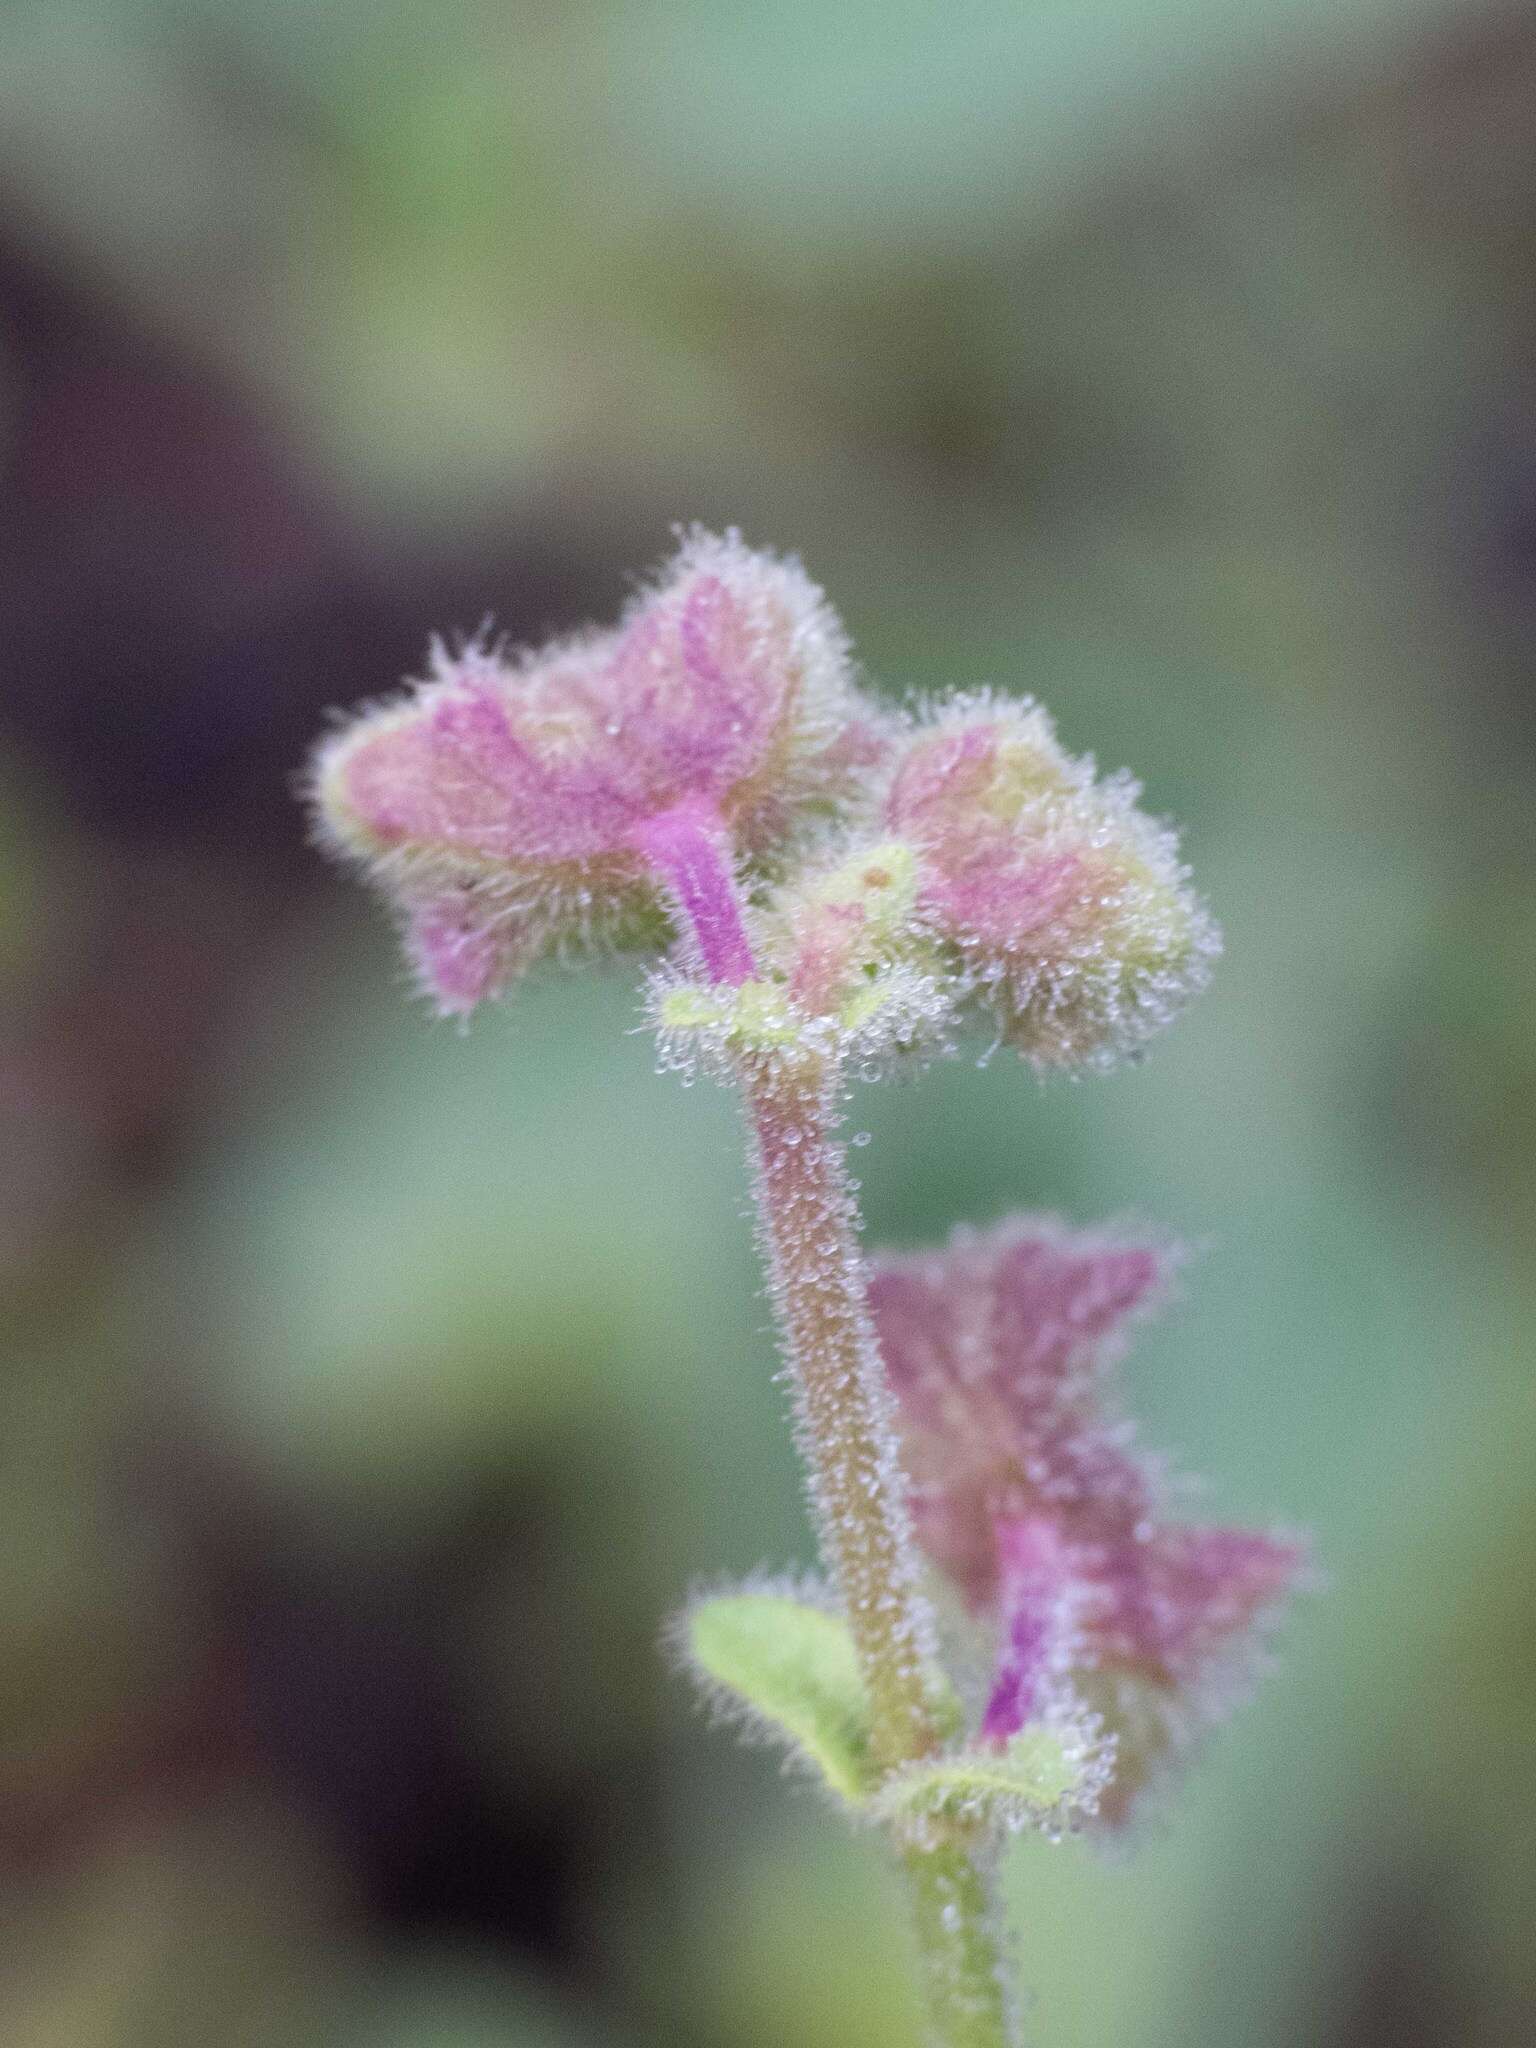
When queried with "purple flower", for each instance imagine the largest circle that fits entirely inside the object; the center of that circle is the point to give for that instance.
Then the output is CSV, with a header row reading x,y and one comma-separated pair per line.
x,y
1029,1493
1064,906
509,806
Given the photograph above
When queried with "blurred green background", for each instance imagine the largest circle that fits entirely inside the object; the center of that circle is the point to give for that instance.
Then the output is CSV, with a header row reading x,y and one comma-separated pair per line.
x,y
370,1392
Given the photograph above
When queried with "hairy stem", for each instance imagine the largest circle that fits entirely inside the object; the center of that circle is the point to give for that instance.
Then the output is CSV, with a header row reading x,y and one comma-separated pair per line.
x,y
965,1983
847,1433
846,1429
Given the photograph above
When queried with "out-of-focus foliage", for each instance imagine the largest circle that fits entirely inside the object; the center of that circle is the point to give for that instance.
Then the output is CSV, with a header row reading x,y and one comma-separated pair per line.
x,y
370,1393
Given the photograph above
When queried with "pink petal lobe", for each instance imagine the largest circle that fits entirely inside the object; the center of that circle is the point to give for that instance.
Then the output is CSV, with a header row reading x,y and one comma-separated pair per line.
x,y
459,958
1183,1597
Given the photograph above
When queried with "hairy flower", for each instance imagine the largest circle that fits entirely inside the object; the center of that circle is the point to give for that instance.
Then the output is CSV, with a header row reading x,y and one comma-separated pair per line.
x,y
1029,1493
511,806
1064,906
999,876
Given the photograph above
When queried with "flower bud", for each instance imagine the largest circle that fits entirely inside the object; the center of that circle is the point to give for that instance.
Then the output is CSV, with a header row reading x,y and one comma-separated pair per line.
x,y
504,804
843,925
842,969
1064,906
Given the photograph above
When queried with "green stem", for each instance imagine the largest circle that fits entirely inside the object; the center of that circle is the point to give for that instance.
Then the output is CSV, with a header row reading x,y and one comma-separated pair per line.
x,y
847,1434
843,1407
965,1982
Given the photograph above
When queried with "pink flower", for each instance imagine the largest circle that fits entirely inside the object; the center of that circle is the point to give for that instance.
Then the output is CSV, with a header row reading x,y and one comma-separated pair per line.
x,y
1064,905
1028,1492
510,806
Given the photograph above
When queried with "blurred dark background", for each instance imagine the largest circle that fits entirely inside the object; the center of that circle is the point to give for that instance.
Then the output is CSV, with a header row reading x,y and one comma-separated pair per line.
x,y
370,1392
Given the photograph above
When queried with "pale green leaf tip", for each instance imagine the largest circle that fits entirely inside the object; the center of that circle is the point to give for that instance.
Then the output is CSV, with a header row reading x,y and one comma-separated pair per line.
x,y
787,1668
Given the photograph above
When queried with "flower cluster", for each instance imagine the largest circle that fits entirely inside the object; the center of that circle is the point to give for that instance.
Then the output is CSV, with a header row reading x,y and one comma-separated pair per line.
x,y
1032,1499
709,777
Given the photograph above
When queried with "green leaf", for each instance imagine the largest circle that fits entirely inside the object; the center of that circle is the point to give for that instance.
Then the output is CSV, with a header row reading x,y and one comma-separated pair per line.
x,y
1044,1771
787,1668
